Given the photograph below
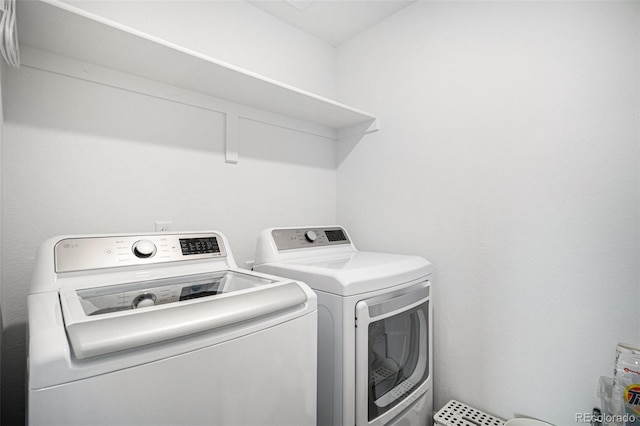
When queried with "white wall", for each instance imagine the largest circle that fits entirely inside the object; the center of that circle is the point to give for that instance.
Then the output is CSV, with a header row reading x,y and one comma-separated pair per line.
x,y
79,157
508,156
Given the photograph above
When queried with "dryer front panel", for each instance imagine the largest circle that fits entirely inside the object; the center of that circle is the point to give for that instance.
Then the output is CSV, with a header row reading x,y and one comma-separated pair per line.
x,y
392,354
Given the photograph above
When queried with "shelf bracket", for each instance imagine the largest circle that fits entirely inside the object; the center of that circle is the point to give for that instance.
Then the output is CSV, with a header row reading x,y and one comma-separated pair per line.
x,y
231,138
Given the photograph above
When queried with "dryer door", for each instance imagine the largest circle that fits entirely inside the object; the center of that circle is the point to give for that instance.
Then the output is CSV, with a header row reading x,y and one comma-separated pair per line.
x,y
392,354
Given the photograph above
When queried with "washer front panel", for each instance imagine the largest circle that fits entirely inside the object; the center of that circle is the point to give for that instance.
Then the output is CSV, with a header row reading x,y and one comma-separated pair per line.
x,y
80,254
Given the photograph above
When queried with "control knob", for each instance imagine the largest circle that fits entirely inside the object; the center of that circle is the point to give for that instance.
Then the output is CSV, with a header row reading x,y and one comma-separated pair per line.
x,y
310,236
144,249
143,300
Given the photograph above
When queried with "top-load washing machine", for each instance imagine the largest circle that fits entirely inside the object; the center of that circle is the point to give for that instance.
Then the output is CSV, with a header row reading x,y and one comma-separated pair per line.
x,y
374,324
165,329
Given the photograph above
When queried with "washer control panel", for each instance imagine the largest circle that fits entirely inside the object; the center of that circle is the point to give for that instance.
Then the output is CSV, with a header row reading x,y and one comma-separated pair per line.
x,y
80,254
288,239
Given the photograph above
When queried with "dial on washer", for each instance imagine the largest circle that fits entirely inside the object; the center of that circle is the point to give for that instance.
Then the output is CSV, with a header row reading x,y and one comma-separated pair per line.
x,y
144,249
143,300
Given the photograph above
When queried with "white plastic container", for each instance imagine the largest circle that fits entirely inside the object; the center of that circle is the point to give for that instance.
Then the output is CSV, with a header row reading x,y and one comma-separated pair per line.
x,y
626,382
455,413
610,407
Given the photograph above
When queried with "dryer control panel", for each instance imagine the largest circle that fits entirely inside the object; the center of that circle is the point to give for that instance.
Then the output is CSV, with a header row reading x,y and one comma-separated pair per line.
x,y
80,254
288,239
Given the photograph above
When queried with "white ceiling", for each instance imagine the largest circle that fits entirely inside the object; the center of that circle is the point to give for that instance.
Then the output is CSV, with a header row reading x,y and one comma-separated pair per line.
x,y
333,21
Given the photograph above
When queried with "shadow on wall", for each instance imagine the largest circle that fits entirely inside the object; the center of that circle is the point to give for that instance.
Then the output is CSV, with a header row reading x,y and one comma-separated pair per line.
x,y
13,371
34,97
345,147
42,99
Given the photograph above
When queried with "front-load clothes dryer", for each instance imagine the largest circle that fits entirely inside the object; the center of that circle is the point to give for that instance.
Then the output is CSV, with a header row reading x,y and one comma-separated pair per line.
x,y
374,324
164,329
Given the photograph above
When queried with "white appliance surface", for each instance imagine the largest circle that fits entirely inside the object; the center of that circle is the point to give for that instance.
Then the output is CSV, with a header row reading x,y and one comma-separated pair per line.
x,y
165,329
394,292
336,267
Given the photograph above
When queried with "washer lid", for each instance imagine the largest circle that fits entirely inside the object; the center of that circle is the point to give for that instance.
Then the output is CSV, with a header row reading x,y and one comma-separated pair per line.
x,y
102,320
352,273
143,294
